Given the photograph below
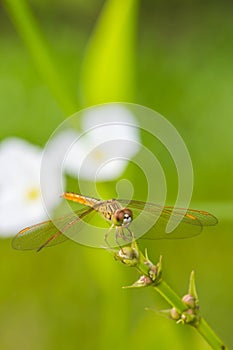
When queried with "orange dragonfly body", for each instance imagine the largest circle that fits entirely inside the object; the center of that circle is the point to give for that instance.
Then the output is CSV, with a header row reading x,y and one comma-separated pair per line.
x,y
121,215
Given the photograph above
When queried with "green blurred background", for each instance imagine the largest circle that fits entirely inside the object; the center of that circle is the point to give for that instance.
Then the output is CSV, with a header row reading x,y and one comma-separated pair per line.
x,y
177,59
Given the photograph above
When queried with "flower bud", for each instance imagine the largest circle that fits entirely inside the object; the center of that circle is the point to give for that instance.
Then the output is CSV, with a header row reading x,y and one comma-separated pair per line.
x,y
174,314
189,300
143,281
127,253
189,316
128,256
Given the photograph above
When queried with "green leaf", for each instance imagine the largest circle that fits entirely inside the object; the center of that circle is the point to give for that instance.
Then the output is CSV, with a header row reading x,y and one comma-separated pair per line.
x,y
29,29
192,286
108,67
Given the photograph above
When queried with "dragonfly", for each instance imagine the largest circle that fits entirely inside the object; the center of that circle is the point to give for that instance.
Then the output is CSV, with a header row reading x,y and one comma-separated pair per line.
x,y
127,219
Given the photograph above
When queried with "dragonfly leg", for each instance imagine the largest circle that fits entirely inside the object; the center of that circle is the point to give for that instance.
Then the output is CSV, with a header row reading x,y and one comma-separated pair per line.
x,y
107,234
119,234
131,235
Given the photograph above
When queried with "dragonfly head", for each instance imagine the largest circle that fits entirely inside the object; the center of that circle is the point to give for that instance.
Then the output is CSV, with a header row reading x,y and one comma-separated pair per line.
x,y
123,217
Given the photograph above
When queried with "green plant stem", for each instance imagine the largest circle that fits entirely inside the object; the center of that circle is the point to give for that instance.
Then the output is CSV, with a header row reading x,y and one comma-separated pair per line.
x,y
203,328
170,296
132,256
27,26
209,335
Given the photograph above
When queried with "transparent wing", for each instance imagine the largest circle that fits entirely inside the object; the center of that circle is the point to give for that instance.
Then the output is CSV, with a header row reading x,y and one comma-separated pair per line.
x,y
155,219
49,233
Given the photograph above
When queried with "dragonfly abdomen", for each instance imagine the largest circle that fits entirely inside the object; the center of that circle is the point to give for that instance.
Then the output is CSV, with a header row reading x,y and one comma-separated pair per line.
x,y
74,197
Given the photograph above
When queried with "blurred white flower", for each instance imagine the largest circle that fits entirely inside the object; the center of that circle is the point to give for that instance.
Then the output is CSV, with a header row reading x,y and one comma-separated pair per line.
x,y
109,139
20,198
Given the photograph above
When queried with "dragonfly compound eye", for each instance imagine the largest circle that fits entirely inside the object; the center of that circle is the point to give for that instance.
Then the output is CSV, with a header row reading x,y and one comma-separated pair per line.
x,y
128,216
123,217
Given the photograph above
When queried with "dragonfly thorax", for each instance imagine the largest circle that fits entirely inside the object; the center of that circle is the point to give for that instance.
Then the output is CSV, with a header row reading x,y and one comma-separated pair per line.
x,y
123,217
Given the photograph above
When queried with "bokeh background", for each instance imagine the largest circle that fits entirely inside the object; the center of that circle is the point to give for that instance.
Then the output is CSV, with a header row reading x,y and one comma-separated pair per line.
x,y
175,57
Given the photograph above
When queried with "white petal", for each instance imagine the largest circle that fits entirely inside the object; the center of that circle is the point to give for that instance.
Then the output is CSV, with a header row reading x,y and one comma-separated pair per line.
x,y
110,133
107,114
20,200
19,161
109,122
115,166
